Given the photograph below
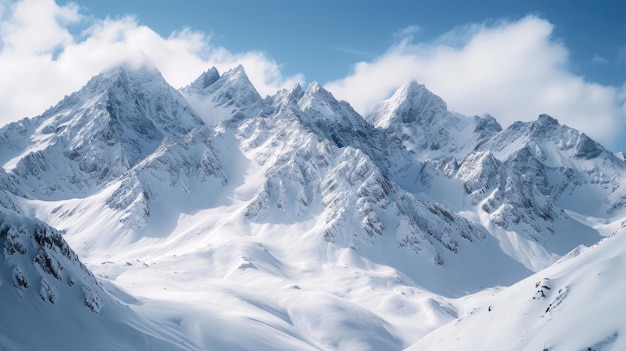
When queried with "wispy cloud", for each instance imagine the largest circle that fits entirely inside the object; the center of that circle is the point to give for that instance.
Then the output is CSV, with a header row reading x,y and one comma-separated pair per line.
x,y
364,54
41,60
514,70
598,59
407,33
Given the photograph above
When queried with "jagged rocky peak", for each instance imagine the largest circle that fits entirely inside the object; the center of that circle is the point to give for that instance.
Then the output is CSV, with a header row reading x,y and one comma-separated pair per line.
x,y
211,81
286,97
97,133
128,98
486,123
427,129
238,79
320,105
207,78
217,98
547,119
315,92
237,74
411,103
130,92
127,77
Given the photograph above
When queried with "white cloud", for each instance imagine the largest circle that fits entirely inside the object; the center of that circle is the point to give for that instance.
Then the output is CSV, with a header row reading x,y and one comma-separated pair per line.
x,y
41,59
512,70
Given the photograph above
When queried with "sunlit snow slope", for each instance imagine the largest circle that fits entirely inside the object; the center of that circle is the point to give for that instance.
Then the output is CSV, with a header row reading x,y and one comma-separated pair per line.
x,y
576,304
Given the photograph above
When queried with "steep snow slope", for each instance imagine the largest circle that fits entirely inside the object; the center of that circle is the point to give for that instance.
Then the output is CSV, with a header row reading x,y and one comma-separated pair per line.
x,y
575,304
50,300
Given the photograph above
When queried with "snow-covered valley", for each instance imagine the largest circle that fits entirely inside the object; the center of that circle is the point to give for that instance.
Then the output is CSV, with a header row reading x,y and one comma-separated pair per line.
x,y
212,218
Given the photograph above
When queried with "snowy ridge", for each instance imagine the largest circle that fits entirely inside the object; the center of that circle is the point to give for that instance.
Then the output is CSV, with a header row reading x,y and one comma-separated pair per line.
x,y
531,179
325,160
337,122
183,164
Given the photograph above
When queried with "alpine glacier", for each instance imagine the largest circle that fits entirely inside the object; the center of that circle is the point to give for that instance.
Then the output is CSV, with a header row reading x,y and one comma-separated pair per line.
x,y
138,216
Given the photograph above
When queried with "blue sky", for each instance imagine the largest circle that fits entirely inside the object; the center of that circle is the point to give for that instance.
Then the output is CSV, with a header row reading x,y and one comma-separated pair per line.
x,y
323,39
511,59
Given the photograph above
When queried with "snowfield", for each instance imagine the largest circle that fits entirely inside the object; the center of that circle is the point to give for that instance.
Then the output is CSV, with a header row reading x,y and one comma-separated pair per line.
x,y
136,216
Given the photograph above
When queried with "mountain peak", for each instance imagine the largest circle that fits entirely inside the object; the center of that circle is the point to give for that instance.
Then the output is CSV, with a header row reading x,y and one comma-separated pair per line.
x,y
131,69
119,117
315,88
317,98
413,88
547,119
216,98
207,78
411,103
316,92
287,96
237,74
238,69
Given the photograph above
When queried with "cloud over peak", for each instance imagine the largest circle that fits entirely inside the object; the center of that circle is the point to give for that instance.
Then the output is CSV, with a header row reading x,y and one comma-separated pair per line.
x,y
41,59
514,70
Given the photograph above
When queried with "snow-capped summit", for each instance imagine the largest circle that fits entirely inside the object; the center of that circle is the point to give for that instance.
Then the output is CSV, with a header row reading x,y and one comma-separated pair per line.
x,y
411,103
320,109
339,123
426,127
217,98
536,180
286,98
95,134
207,78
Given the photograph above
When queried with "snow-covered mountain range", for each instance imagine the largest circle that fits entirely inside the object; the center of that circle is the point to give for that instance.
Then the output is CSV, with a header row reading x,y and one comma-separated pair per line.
x,y
137,216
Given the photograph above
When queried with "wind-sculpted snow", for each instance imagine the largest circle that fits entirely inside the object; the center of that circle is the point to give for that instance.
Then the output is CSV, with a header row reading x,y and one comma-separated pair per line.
x,y
51,300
